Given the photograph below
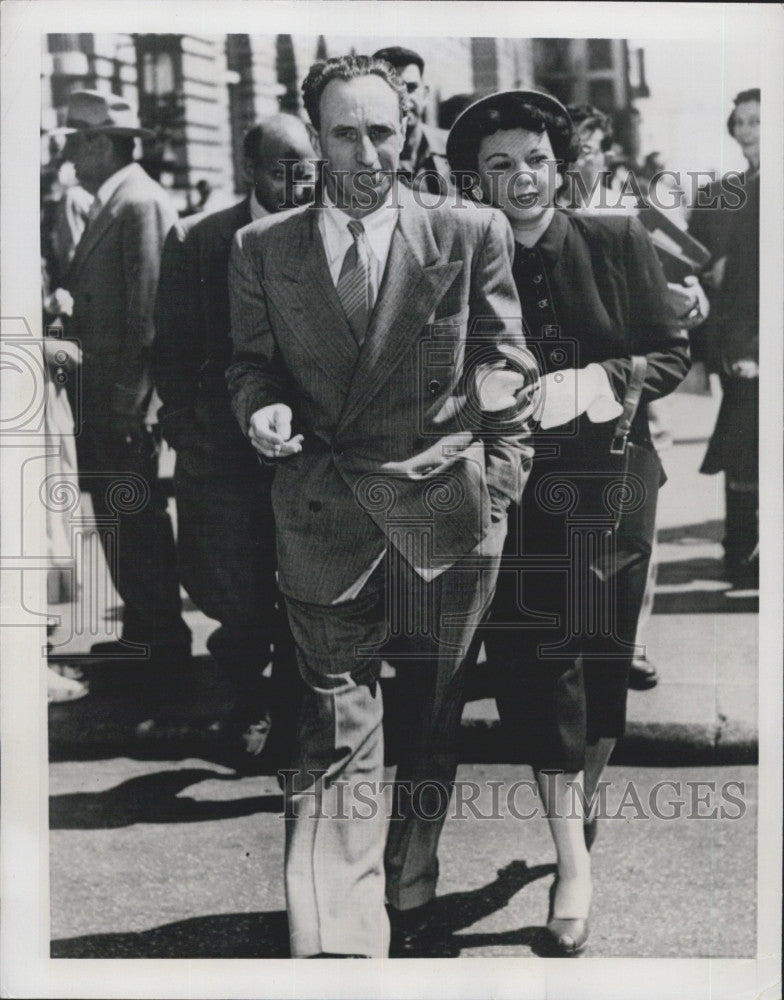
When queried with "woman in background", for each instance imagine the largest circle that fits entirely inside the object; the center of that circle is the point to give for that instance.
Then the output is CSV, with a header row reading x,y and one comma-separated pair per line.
x,y
734,445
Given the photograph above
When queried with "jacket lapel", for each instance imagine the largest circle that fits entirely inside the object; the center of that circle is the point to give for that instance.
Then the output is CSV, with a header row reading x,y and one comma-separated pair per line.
x,y
102,222
303,291
415,280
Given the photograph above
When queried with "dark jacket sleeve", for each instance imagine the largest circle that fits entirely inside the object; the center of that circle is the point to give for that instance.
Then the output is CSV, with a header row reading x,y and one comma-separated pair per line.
x,y
255,377
652,328
176,354
495,316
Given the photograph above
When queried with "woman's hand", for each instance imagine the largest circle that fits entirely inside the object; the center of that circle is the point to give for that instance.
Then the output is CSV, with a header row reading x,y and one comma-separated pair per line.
x,y
746,368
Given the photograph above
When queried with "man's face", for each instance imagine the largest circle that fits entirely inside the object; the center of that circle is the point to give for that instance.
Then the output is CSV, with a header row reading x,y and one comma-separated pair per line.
x,y
417,94
273,190
590,159
88,154
360,139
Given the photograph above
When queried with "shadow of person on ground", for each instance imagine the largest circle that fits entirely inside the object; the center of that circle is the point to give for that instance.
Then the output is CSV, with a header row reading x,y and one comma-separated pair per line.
x,y
153,798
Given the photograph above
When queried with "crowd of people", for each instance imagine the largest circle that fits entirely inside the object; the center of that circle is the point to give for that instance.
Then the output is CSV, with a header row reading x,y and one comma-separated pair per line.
x,y
397,423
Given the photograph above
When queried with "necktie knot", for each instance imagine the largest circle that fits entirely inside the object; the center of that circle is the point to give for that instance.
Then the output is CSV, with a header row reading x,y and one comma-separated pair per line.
x,y
356,229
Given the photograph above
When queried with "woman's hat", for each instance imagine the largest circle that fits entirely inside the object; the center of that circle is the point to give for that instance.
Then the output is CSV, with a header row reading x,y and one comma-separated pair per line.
x,y
94,111
464,138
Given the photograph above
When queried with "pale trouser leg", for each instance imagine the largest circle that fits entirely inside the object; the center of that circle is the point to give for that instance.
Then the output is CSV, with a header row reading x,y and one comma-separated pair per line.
x,y
458,601
336,818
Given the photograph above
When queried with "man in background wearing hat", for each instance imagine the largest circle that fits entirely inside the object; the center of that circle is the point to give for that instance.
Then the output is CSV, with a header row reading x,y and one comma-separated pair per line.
x,y
112,278
225,529
424,152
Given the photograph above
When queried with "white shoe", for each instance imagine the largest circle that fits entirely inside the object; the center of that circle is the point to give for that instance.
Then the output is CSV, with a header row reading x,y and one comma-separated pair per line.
x,y
61,688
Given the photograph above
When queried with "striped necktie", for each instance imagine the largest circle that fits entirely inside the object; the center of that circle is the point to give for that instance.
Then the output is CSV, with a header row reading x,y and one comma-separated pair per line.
x,y
355,286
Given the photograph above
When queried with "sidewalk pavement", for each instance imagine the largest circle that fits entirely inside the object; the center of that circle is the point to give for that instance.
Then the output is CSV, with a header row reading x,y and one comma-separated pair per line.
x,y
702,637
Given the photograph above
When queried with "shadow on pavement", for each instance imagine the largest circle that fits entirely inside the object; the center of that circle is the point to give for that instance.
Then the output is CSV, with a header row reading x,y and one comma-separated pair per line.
x,y
153,798
265,935
225,935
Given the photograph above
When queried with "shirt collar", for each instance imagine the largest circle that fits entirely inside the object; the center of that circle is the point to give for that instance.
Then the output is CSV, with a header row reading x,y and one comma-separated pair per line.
x,y
550,243
110,185
378,227
257,210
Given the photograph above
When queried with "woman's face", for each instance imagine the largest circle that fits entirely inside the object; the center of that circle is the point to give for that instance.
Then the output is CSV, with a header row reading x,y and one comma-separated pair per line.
x,y
746,129
519,173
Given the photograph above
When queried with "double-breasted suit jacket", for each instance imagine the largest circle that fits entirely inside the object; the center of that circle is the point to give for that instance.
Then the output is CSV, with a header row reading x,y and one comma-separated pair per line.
x,y
393,437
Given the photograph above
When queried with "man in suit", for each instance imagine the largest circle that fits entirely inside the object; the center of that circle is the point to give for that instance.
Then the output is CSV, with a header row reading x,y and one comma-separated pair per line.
x,y
112,278
424,152
365,329
225,531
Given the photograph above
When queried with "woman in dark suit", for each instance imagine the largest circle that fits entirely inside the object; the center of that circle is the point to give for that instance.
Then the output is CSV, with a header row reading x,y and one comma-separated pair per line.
x,y
561,634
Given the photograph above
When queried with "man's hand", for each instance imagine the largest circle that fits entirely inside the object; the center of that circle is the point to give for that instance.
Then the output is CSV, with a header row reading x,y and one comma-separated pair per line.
x,y
745,368
270,432
689,302
59,303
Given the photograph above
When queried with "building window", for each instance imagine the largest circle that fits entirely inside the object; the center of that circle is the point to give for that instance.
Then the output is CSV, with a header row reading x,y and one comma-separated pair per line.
x,y
600,54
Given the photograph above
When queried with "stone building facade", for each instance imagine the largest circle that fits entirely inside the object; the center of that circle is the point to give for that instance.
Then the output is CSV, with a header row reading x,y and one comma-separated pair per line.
x,y
201,93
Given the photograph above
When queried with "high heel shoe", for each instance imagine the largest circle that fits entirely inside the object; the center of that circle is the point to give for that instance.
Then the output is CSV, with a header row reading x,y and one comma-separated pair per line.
x,y
590,829
566,936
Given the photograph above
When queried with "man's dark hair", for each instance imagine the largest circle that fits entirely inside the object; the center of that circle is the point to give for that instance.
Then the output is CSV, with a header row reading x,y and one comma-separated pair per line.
x,y
251,143
347,68
399,57
587,118
742,98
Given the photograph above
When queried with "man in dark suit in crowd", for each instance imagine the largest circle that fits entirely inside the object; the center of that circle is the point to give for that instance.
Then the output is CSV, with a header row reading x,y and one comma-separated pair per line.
x,y
424,152
366,329
112,278
226,534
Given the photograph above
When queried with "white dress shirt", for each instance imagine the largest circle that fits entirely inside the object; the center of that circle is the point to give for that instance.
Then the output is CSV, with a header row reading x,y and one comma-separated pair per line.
x,y
337,238
107,189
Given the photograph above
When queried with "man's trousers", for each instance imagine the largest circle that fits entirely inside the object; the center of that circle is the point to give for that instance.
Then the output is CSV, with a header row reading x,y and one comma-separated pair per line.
x,y
335,802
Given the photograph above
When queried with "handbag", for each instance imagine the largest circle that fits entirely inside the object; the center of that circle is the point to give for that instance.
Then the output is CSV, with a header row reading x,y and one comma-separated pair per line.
x,y
633,491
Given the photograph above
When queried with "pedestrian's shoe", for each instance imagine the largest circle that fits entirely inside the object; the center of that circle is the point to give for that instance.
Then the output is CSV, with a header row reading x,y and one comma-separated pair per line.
x,y
744,573
408,930
61,687
566,937
643,674
590,829
336,954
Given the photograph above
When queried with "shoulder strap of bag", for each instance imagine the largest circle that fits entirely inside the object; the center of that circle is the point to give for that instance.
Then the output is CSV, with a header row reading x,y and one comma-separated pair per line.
x,y
630,403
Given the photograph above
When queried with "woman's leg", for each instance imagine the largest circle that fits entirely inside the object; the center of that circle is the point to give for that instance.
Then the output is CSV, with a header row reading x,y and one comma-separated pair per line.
x,y
562,798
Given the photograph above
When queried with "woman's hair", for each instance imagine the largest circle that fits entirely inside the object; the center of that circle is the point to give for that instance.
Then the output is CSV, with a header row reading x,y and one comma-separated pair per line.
x,y
587,118
742,98
516,112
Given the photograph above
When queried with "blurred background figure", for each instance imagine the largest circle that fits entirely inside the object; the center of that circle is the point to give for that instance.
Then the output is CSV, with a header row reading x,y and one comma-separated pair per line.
x,y
225,528
112,278
424,152
734,445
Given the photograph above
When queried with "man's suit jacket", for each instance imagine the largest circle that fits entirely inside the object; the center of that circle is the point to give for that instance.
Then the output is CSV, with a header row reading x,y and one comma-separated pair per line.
x,y
113,276
396,450
192,347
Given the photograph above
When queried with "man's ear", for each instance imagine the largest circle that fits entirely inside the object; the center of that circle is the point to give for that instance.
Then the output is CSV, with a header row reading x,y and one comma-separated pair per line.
x,y
314,138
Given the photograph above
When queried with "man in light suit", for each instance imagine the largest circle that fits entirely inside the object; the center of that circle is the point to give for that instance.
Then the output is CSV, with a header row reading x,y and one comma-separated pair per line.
x,y
365,329
225,530
112,279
